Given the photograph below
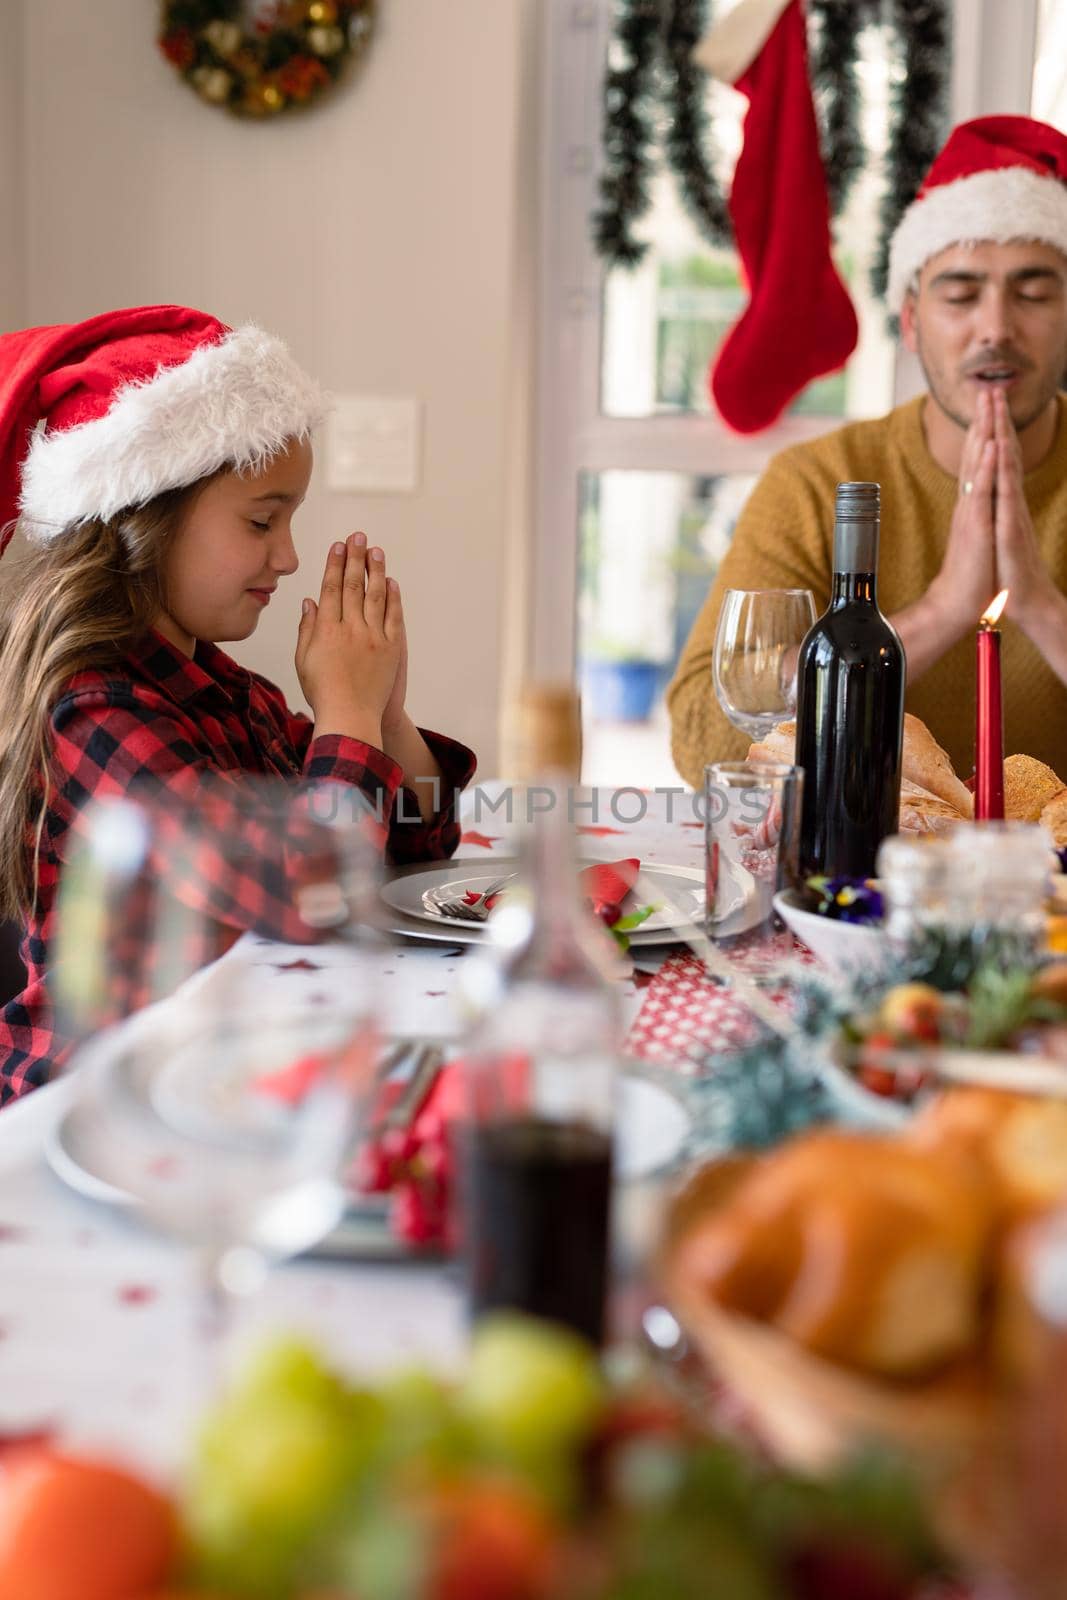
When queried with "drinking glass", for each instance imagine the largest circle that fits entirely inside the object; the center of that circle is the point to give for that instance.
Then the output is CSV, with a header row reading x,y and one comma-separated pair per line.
x,y
221,1110
226,1129
757,644
752,838
973,894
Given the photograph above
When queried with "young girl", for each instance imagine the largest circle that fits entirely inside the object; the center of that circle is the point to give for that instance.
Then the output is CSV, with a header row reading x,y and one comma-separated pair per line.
x,y
157,500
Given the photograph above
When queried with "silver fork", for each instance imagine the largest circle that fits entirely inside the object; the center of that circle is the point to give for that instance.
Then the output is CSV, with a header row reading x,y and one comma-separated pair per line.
x,y
473,910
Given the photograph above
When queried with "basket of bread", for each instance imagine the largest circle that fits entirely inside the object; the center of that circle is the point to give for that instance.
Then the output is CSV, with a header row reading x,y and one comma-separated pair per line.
x,y
934,798
863,1289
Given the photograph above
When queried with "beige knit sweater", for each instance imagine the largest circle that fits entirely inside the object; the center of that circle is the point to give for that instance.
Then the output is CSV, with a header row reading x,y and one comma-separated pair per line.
x,y
784,539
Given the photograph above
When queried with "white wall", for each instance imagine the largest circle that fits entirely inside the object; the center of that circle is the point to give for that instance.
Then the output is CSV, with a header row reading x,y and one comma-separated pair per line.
x,y
11,189
378,233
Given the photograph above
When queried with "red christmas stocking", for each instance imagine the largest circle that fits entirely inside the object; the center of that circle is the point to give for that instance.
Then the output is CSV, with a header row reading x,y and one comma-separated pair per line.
x,y
799,322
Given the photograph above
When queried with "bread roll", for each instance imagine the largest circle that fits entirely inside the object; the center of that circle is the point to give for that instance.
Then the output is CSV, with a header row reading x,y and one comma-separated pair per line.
x,y
926,764
1054,819
778,745
931,795
1029,786
1022,1342
1020,1140
866,1251
745,1255
923,812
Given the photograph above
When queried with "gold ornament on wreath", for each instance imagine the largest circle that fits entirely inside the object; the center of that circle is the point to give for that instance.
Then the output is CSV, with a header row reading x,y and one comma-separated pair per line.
x,y
261,57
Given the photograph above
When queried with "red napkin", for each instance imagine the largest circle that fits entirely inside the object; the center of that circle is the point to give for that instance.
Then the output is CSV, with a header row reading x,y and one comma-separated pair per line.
x,y
416,1164
609,882
605,884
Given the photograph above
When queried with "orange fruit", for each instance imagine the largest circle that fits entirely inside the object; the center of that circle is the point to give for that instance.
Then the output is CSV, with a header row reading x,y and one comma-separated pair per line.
x,y
494,1542
75,1529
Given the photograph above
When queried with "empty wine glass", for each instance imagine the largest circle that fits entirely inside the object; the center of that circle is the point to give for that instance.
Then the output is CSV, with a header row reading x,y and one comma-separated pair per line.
x,y
757,644
226,1128
224,1111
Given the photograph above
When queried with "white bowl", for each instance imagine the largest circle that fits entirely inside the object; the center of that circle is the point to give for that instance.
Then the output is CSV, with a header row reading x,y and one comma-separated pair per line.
x,y
846,946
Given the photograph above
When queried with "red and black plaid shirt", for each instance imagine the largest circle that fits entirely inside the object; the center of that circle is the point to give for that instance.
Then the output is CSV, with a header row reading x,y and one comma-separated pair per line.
x,y
187,731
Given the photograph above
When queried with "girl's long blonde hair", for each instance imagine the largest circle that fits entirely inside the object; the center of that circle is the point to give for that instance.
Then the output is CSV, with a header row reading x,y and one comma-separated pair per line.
x,y
80,601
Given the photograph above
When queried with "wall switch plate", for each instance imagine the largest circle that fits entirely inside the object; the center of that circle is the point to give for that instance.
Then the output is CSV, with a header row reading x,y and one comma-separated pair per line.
x,y
373,445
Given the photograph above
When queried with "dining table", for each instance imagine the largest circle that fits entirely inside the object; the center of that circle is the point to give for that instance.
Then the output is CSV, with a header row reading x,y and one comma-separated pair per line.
x,y
99,1343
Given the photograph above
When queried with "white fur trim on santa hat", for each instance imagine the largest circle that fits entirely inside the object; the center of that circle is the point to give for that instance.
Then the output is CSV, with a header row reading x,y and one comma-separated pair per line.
x,y
232,403
997,206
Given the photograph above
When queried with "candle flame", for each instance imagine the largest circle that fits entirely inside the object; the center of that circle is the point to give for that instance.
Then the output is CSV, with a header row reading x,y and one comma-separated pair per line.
x,y
992,614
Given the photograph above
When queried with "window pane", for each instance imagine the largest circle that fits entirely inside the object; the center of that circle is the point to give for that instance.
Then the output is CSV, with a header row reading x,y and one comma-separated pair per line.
x,y
649,546
665,319
1049,99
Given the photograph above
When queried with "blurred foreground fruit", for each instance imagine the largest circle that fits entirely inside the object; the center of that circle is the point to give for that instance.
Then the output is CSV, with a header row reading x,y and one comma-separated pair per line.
x,y
492,1541
531,1386
913,1011
276,1461
80,1530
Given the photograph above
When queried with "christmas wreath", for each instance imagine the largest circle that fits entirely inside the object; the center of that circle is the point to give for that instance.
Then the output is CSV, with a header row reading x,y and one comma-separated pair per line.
x,y
268,57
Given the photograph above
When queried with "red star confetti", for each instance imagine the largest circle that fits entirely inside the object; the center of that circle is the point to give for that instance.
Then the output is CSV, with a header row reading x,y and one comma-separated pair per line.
x,y
290,1084
596,833
301,965
164,1167
486,840
137,1294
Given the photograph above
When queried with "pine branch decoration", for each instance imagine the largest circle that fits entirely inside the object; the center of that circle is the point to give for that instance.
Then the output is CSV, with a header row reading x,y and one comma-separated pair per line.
x,y
627,134
651,81
689,147
919,112
836,92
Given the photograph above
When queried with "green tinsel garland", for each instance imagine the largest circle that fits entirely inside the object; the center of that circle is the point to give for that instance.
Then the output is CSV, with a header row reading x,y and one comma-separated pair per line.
x,y
834,64
655,39
688,140
753,1098
920,100
627,134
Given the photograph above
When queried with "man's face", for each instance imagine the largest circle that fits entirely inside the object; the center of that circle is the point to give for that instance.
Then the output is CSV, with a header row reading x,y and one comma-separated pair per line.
x,y
990,316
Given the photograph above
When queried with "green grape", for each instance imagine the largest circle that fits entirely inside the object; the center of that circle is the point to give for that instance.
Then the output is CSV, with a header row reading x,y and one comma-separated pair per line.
x,y
276,1462
531,1388
423,1422
288,1369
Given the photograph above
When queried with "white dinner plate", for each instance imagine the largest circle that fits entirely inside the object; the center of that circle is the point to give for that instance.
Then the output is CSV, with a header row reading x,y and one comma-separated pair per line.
x,y
412,896
652,1128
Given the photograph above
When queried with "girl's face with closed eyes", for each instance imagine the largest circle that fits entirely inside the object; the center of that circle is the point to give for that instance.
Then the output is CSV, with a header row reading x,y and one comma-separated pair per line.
x,y
233,546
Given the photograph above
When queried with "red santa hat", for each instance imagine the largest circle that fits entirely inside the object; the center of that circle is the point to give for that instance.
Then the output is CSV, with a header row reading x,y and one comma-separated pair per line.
x,y
101,416
997,179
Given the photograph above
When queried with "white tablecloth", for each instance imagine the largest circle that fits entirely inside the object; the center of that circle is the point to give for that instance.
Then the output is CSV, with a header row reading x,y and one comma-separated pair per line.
x,y
98,1319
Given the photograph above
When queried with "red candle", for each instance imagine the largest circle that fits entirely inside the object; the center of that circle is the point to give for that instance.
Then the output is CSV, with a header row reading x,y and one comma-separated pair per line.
x,y
989,728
